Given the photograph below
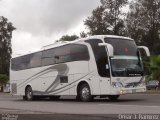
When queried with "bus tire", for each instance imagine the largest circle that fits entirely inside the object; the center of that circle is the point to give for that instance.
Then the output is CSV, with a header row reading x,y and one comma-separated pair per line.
x,y
113,97
84,93
29,93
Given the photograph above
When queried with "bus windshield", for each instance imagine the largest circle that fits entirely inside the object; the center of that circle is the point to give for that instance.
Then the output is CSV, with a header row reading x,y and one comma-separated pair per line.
x,y
126,60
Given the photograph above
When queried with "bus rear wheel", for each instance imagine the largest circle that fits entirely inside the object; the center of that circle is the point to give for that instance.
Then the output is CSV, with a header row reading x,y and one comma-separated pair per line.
x,y
84,93
113,97
29,93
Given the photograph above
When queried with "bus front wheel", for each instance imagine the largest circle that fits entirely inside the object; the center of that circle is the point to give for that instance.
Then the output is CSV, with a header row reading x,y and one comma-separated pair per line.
x,y
113,97
85,93
29,93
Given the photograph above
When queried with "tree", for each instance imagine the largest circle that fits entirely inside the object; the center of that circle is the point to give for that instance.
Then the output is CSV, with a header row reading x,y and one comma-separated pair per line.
x,y
68,38
3,80
107,18
96,23
83,34
6,29
154,67
114,15
133,23
143,22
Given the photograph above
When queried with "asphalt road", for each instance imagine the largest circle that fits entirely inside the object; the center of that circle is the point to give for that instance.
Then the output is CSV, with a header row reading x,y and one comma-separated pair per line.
x,y
68,107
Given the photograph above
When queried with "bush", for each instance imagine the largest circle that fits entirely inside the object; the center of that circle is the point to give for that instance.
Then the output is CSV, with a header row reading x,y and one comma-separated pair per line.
x,y
3,79
154,68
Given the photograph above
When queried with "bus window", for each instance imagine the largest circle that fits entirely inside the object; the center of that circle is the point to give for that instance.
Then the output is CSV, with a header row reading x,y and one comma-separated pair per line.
x,y
79,52
48,57
62,54
35,59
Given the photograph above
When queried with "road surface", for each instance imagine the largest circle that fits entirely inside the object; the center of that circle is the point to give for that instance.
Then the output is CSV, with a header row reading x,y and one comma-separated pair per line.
x,y
67,107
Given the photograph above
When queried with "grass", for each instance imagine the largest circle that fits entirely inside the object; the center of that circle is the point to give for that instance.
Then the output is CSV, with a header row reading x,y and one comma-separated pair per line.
x,y
153,91
2,93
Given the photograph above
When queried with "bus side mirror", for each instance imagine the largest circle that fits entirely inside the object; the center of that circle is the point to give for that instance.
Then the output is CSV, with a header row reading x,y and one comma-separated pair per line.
x,y
145,49
109,47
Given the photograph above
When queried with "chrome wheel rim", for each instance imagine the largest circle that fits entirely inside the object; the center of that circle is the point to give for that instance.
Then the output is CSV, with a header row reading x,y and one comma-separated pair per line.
x,y
85,93
29,94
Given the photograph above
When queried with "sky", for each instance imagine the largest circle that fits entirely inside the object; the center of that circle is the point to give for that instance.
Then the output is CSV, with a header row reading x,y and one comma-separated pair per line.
x,y
42,22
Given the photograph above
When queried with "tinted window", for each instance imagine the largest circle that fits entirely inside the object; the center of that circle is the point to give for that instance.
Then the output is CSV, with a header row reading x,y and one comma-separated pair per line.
x,y
126,61
71,53
15,63
101,58
122,46
25,62
79,52
35,60
48,57
62,54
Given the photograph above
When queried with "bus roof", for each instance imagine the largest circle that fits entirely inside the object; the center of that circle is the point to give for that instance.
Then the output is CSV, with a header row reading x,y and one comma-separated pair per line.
x,y
61,43
109,36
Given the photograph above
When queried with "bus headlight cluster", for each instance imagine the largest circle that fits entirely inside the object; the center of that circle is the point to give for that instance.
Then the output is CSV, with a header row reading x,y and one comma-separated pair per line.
x,y
117,84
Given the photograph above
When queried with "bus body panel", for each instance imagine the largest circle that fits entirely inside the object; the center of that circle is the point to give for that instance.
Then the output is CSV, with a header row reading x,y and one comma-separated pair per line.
x,y
41,79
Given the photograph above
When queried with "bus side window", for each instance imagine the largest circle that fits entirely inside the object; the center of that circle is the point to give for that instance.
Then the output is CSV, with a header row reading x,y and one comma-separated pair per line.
x,y
15,63
35,60
25,62
79,52
62,54
48,57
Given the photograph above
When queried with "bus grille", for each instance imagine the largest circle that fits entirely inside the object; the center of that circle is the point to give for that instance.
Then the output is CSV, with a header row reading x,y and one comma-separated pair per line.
x,y
14,88
133,84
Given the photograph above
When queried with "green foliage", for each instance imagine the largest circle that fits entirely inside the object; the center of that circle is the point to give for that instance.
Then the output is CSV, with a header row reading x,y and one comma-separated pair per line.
x,y
114,15
83,34
68,38
143,23
154,68
96,23
6,29
107,18
3,79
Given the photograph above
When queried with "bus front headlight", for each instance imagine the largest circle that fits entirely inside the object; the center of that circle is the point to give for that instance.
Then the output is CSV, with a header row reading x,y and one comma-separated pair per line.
x,y
117,84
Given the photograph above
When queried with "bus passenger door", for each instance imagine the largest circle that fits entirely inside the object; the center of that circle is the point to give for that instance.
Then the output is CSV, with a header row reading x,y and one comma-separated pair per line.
x,y
104,77
104,85
102,64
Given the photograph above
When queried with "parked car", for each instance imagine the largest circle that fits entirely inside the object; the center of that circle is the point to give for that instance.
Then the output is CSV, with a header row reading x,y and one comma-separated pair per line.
x,y
153,84
6,88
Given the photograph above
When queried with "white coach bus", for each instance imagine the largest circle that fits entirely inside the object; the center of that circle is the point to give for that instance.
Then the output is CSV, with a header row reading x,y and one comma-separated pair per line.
x,y
101,65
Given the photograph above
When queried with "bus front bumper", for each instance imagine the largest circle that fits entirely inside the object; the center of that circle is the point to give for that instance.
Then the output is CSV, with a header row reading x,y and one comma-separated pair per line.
x,y
121,91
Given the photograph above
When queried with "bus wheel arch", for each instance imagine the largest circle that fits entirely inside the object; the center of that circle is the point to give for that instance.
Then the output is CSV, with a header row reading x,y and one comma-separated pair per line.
x,y
84,91
28,93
